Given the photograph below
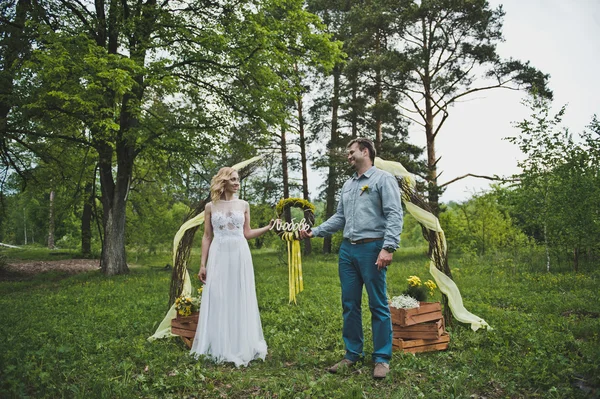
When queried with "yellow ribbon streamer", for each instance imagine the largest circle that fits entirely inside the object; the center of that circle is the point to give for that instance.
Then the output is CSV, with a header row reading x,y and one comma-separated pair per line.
x,y
295,281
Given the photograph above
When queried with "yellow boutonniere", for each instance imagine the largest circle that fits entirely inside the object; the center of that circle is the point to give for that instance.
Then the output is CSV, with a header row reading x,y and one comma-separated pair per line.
x,y
363,189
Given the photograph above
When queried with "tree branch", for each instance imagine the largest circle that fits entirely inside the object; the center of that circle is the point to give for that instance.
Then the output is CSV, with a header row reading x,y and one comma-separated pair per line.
x,y
439,126
494,178
500,85
415,105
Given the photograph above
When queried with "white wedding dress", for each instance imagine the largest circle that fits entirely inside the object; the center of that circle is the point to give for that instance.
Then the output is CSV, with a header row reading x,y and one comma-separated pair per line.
x,y
229,327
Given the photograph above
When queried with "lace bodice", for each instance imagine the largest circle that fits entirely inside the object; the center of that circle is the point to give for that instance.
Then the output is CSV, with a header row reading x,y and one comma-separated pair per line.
x,y
227,218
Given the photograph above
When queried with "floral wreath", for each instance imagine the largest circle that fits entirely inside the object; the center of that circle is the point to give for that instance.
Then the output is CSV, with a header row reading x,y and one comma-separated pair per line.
x,y
287,230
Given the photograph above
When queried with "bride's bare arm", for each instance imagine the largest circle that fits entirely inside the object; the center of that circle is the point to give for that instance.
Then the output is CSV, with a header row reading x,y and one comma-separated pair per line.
x,y
250,233
206,241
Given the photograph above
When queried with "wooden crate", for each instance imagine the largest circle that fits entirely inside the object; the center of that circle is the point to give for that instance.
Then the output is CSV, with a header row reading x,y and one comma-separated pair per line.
x,y
421,345
185,327
428,330
427,311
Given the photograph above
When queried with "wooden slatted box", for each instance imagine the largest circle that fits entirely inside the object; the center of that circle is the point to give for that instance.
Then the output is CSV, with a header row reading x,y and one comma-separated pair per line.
x,y
421,345
428,330
427,311
420,329
185,327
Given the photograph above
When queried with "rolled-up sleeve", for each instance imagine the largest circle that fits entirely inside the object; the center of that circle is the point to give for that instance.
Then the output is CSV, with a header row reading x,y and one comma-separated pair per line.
x,y
392,210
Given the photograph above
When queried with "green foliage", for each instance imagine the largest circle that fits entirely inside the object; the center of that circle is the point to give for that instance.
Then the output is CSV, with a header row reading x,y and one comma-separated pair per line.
x,y
481,225
261,215
85,335
417,292
152,225
412,233
556,198
159,83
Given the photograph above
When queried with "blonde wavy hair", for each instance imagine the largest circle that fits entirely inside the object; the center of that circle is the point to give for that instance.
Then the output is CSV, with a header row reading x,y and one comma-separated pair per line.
x,y
217,184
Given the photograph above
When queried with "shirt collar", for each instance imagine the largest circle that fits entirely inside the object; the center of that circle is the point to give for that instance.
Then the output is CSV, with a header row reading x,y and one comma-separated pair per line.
x,y
367,174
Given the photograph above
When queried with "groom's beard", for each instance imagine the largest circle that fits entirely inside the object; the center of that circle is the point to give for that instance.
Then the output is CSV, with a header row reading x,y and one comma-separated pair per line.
x,y
352,165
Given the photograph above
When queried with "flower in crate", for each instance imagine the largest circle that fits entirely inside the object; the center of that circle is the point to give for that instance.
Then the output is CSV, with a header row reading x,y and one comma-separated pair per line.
x,y
183,305
186,304
404,302
431,286
414,281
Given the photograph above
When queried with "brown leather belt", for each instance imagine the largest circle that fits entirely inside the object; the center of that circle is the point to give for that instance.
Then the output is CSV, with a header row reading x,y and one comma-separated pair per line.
x,y
365,240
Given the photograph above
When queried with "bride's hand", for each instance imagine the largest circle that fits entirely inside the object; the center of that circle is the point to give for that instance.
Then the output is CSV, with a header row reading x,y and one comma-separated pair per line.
x,y
202,274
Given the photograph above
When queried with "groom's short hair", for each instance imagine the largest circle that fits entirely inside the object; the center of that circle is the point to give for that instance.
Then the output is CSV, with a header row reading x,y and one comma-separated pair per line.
x,y
363,143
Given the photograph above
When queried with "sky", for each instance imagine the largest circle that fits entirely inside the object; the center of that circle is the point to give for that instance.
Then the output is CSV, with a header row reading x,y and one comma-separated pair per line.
x,y
560,38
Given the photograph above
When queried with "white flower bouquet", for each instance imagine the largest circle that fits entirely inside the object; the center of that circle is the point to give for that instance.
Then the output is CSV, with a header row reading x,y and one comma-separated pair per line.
x,y
404,302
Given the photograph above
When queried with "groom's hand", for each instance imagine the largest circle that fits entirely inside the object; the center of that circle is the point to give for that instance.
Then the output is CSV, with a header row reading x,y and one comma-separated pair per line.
x,y
305,234
383,259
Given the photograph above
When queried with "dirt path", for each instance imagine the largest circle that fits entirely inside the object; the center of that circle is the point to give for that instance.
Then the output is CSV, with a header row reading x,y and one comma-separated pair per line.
x,y
29,268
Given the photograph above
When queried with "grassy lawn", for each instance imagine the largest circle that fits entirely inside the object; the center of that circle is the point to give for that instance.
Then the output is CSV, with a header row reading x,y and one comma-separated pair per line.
x,y
85,335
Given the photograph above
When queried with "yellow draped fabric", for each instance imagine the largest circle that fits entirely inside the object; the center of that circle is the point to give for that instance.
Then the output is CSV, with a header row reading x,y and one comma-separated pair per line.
x,y
295,282
164,328
431,222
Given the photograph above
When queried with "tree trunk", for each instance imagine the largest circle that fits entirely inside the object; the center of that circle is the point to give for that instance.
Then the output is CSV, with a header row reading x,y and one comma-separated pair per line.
x,y
333,142
51,222
14,42
433,191
25,224
114,193
355,111
114,196
307,242
86,221
378,98
114,258
285,177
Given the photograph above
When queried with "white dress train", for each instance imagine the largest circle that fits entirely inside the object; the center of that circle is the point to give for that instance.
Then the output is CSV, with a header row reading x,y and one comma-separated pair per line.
x,y
229,327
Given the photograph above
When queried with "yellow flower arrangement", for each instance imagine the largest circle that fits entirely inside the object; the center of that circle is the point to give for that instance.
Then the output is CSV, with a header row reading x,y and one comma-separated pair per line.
x,y
364,188
414,281
431,286
186,305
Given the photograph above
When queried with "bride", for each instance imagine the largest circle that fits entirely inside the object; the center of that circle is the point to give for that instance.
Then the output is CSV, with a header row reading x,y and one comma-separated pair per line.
x,y
229,327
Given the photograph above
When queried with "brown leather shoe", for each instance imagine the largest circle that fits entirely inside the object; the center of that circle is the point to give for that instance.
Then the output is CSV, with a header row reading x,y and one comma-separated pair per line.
x,y
381,370
342,363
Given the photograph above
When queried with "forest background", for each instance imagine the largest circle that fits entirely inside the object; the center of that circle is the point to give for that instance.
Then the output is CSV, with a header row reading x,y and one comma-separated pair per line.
x,y
114,118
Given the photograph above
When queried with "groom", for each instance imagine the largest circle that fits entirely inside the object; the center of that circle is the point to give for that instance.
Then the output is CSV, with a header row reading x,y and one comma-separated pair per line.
x,y
370,213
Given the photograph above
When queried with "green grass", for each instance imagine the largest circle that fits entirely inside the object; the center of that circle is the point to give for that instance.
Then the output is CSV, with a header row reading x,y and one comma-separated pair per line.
x,y
85,336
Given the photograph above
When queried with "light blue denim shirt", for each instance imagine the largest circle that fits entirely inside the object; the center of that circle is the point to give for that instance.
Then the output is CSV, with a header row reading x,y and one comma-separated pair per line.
x,y
371,213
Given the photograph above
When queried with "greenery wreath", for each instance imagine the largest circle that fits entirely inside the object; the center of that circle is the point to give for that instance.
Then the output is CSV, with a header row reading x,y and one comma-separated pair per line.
x,y
292,228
